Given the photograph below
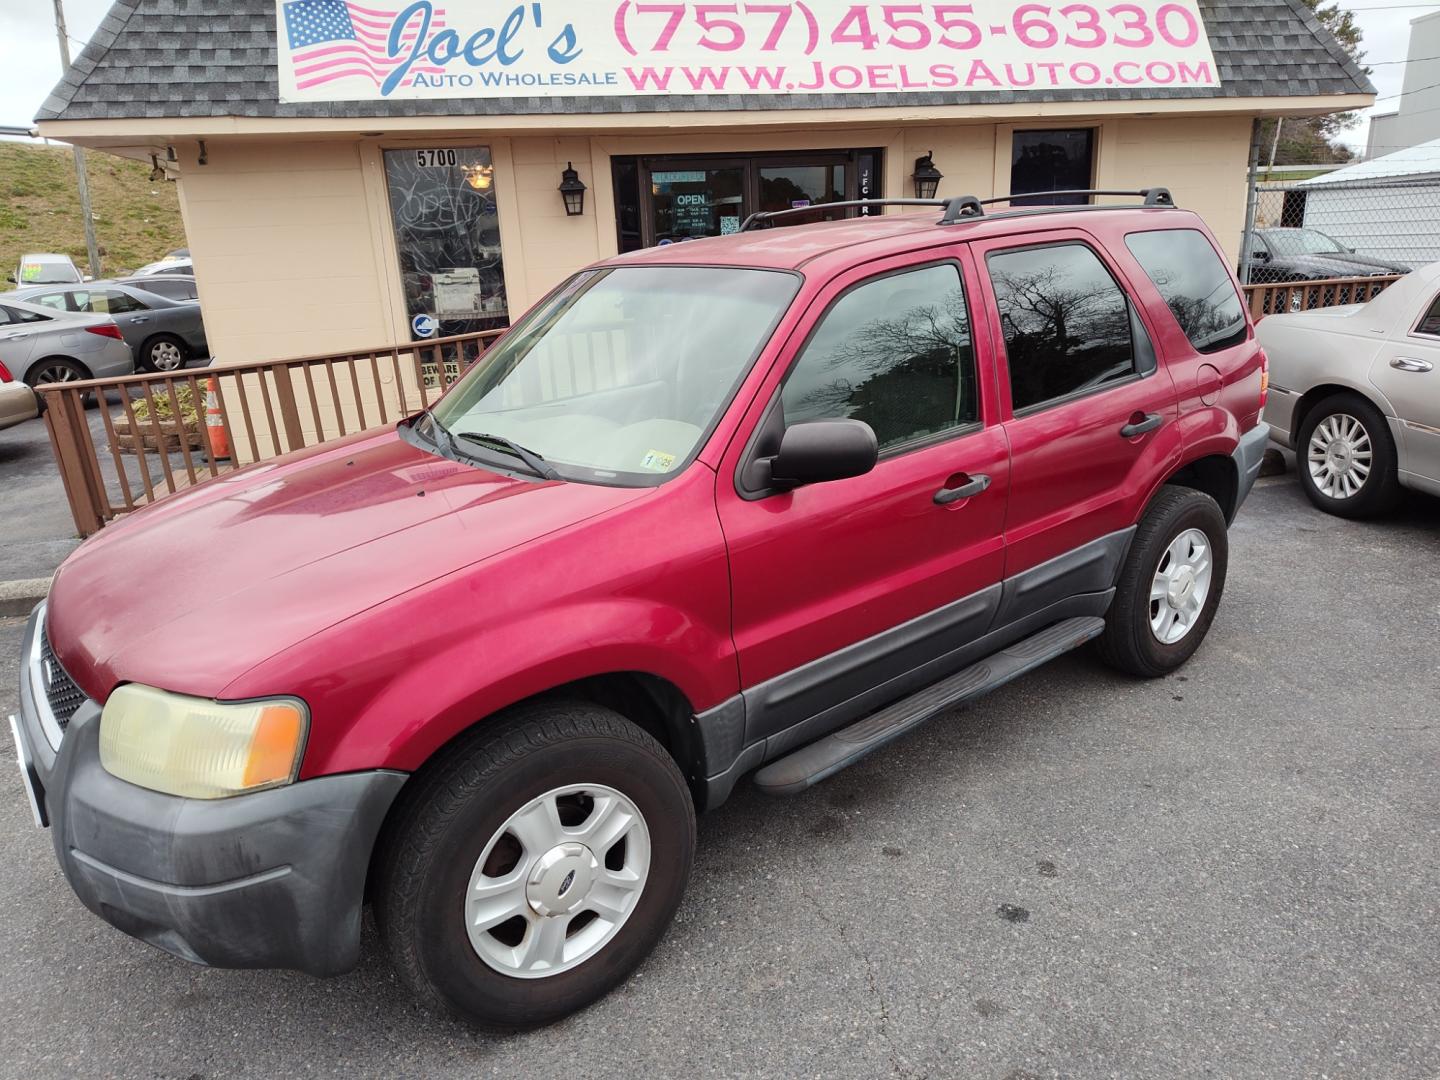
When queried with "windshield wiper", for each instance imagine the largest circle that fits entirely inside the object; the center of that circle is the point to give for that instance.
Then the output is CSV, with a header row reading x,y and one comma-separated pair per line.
x,y
533,461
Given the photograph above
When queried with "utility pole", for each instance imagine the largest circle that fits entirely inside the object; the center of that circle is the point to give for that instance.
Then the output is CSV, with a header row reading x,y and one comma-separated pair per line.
x,y
81,179
1274,146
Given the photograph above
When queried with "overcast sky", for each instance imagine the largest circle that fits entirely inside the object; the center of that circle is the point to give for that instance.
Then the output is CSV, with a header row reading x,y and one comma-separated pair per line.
x,y
30,61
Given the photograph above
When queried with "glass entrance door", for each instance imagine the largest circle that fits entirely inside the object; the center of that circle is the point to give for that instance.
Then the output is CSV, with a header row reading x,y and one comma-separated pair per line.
x,y
674,199
687,203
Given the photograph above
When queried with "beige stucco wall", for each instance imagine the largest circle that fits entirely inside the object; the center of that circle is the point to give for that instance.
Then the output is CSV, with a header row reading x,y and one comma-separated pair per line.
x,y
295,252
285,248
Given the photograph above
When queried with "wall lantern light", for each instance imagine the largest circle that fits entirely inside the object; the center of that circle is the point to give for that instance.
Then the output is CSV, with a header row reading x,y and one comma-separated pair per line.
x,y
927,176
572,190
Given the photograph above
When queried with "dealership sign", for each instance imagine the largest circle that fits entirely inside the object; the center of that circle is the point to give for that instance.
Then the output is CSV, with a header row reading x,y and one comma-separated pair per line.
x,y
332,50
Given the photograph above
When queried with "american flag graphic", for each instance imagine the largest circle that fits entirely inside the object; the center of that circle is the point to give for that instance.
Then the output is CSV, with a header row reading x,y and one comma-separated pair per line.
x,y
333,39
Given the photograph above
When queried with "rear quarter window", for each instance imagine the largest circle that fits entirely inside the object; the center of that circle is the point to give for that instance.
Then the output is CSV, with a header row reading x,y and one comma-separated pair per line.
x,y
1195,285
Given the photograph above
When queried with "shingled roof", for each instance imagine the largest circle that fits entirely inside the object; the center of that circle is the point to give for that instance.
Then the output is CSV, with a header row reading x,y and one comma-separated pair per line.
x,y
195,58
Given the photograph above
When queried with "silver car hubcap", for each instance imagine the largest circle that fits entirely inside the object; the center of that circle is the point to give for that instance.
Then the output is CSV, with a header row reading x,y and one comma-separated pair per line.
x,y
557,881
1181,584
165,356
1339,456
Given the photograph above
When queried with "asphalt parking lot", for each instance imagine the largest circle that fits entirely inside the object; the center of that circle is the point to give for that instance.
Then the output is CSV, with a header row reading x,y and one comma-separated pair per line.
x,y
1233,872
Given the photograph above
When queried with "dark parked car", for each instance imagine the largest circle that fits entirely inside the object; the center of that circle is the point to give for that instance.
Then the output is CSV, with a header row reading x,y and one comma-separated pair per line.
x,y
1309,255
483,667
163,333
170,286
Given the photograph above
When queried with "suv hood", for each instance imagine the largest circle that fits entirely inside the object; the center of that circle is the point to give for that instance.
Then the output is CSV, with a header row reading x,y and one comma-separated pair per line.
x,y
189,594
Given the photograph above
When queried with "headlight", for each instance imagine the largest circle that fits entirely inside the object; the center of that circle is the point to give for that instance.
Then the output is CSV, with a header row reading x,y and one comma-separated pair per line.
x,y
197,748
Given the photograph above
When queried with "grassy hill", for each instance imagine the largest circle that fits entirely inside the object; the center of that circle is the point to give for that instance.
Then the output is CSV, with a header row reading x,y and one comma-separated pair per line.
x,y
136,220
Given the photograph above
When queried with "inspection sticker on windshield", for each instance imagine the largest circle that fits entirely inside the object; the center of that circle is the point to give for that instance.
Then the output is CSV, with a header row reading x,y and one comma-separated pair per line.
x,y
656,461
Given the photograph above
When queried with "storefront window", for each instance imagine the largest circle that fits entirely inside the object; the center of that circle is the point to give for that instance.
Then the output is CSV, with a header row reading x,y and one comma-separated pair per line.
x,y
448,236
786,187
1052,161
665,200
690,203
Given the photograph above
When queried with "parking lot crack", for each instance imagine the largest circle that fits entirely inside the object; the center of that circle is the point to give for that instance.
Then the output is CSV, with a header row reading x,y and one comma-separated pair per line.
x,y
872,981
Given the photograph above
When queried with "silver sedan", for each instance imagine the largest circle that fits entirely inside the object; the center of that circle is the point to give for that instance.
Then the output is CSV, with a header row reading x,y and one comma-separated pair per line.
x,y
42,345
1355,392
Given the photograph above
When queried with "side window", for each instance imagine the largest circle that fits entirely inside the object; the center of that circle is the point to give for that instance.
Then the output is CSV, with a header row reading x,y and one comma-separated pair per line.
x,y
1067,324
114,302
1430,323
16,315
894,352
50,300
1195,285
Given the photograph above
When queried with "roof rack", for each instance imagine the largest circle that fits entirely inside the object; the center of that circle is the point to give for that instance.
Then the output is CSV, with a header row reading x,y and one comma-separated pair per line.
x,y
960,207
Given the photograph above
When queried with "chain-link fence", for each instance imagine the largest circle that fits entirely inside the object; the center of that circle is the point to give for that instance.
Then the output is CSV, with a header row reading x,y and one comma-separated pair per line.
x,y
1322,229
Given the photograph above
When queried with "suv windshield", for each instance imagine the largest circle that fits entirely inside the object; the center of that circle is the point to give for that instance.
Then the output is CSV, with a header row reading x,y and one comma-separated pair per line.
x,y
1302,242
618,376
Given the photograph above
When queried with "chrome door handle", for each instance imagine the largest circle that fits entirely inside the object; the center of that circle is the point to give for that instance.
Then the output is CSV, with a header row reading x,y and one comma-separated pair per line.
x,y
1150,423
140,318
974,486
1411,363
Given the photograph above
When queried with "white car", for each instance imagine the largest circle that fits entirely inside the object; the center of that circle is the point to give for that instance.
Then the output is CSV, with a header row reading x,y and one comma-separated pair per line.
x,y
1355,392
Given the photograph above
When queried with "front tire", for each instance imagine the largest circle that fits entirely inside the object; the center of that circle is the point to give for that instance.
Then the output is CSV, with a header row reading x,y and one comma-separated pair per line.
x,y
1170,585
1346,458
532,869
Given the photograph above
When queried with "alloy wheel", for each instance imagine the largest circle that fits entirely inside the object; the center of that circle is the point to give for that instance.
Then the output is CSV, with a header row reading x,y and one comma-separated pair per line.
x,y
56,373
1180,586
557,881
166,356
1339,456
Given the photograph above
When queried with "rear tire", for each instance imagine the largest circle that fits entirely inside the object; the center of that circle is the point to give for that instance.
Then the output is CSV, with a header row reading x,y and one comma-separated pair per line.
x,y
59,369
1170,585
485,815
163,353
1345,457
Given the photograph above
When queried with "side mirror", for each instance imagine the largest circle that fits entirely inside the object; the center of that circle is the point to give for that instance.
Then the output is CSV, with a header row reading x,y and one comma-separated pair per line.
x,y
1262,256
820,450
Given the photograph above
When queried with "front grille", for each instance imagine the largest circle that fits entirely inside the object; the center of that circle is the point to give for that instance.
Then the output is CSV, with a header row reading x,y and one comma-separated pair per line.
x,y
60,690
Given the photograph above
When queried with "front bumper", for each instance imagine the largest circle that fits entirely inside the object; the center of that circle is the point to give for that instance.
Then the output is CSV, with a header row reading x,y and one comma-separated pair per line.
x,y
271,879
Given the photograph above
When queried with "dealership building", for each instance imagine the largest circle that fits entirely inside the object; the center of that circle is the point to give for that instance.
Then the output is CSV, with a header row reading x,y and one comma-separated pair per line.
x,y
352,176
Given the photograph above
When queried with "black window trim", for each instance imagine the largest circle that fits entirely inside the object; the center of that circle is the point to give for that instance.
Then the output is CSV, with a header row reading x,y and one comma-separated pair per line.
x,y
1075,395
910,446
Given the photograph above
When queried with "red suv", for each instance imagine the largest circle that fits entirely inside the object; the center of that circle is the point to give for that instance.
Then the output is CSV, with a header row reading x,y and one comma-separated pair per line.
x,y
758,504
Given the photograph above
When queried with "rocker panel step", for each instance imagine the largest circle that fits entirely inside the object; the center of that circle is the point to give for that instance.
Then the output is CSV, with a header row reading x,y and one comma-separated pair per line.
x,y
810,764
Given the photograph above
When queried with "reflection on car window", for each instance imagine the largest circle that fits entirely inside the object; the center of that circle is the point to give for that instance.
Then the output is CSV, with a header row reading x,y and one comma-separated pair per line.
x,y
16,315
114,302
1065,321
1195,284
895,353
1302,242
50,300
1430,324
622,370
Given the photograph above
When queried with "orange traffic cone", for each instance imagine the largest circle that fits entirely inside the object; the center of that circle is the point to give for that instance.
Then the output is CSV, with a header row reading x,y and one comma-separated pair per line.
x,y
215,422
